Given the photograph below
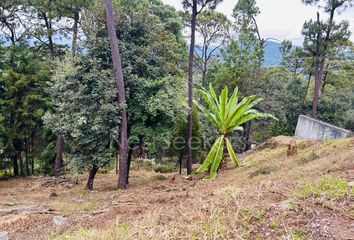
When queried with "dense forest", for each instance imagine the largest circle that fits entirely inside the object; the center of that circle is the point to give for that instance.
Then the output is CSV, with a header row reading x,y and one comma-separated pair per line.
x,y
91,85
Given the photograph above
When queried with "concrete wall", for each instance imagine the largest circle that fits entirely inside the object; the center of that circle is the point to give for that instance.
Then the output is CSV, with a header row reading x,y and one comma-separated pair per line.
x,y
310,128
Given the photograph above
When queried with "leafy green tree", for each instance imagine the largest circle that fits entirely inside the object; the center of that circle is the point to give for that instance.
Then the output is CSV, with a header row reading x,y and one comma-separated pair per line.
x,y
226,114
22,104
151,61
245,13
169,18
283,93
86,112
292,57
239,66
321,37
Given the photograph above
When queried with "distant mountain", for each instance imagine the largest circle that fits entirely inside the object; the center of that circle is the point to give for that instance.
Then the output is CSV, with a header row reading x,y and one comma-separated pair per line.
x,y
272,54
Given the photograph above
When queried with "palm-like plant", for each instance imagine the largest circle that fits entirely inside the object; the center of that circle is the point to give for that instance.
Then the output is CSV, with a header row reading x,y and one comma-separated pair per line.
x,y
226,114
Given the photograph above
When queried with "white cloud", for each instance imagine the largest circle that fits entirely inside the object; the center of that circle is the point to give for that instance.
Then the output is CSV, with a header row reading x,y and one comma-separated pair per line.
x,y
281,19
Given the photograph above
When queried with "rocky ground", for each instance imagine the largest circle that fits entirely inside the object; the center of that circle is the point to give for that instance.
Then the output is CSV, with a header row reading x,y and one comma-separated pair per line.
x,y
306,196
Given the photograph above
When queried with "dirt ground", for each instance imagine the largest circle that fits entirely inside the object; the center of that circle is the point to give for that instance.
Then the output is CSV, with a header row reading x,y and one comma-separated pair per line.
x,y
271,197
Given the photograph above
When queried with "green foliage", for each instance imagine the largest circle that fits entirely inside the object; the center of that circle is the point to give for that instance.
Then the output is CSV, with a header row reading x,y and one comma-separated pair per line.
x,y
295,234
337,107
283,93
85,110
226,114
179,140
331,187
293,57
151,56
22,101
309,157
241,59
244,13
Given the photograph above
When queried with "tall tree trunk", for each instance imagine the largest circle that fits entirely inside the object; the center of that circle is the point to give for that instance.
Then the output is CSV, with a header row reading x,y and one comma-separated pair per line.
x,y
324,81
117,159
26,158
75,32
15,165
22,172
92,174
118,73
130,153
48,25
320,62
32,157
316,93
190,88
59,155
305,95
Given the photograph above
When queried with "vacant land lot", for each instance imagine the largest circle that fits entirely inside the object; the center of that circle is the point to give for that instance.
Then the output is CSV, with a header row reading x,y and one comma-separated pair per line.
x,y
306,196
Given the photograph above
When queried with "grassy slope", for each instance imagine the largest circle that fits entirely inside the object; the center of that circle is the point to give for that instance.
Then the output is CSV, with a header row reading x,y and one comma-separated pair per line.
x,y
274,196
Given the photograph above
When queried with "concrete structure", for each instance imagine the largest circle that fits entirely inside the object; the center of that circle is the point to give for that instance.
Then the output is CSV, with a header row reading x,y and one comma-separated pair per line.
x,y
311,128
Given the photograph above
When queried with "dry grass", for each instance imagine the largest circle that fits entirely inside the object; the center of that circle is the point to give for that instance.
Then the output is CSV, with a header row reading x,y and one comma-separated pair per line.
x,y
272,196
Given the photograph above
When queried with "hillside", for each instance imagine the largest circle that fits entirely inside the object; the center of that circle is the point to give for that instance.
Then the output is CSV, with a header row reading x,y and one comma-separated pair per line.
x,y
272,54
307,196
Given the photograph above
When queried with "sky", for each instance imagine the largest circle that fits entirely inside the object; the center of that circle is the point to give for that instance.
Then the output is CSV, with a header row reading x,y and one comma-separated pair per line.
x,y
280,19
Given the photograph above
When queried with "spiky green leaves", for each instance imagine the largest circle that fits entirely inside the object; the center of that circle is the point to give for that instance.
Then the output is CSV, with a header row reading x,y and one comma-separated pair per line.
x,y
215,156
213,159
226,114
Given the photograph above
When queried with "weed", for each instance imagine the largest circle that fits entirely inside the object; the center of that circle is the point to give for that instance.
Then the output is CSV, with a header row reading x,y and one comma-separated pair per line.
x,y
293,206
309,158
260,216
263,170
302,145
332,187
295,234
274,224
335,142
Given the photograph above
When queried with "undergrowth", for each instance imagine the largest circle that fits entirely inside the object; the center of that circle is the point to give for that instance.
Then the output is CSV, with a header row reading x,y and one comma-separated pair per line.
x,y
331,187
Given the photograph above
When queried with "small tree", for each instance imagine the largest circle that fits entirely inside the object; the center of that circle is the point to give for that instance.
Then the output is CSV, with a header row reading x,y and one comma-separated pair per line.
x,y
226,114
